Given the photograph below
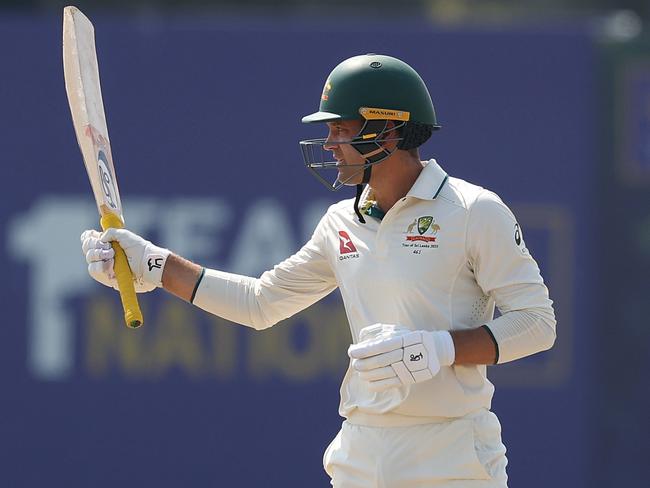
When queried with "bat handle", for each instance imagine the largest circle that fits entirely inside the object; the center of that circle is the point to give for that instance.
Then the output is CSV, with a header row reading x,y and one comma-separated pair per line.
x,y
132,313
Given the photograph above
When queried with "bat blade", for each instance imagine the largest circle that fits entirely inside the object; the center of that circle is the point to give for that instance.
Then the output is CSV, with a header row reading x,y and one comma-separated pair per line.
x,y
83,88
87,108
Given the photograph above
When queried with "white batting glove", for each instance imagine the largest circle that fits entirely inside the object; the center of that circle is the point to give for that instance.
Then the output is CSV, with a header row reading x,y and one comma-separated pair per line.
x,y
146,260
392,357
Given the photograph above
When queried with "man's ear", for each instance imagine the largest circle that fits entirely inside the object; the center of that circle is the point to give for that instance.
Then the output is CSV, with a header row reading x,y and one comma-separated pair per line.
x,y
390,133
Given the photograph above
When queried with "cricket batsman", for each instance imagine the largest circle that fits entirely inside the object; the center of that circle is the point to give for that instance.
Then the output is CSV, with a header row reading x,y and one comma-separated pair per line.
x,y
421,259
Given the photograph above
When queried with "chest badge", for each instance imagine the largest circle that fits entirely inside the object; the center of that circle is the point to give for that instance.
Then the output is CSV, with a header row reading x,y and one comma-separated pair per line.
x,y
422,233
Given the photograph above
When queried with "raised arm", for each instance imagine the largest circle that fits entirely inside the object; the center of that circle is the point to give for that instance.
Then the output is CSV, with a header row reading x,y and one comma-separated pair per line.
x,y
288,288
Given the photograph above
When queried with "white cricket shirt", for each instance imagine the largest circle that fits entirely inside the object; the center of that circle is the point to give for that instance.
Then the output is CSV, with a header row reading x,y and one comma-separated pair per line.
x,y
440,259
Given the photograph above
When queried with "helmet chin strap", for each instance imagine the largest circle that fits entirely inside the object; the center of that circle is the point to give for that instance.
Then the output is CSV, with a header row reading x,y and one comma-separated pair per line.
x,y
356,204
373,152
366,179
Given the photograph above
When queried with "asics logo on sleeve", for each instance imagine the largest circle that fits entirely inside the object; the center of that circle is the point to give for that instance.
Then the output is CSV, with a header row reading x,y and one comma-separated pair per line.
x,y
517,235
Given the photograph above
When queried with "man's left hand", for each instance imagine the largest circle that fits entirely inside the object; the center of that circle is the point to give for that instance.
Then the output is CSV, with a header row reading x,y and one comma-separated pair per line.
x,y
393,360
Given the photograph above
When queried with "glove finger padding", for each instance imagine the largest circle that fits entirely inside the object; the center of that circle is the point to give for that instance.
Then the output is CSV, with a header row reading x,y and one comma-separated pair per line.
x,y
379,361
377,374
402,372
90,240
125,238
381,331
374,347
99,254
102,271
87,235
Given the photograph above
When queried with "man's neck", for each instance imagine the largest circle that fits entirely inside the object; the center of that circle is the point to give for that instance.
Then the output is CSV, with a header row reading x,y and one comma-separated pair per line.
x,y
392,179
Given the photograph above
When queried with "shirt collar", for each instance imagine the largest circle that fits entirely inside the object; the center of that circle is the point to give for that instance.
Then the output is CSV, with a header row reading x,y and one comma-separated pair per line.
x,y
427,186
430,181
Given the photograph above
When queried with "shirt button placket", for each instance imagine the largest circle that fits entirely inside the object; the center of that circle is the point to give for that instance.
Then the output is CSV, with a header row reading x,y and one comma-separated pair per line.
x,y
382,243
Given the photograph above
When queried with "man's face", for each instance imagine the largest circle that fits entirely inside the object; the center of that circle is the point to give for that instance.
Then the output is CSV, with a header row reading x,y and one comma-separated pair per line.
x,y
348,159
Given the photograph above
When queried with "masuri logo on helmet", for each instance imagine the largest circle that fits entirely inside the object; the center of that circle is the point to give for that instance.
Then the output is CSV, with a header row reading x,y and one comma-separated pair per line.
x,y
382,113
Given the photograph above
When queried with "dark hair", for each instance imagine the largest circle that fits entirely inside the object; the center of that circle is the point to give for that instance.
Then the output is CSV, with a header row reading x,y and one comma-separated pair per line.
x,y
414,134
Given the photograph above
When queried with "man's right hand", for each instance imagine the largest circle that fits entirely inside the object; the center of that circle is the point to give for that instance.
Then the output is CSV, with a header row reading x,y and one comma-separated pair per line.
x,y
146,260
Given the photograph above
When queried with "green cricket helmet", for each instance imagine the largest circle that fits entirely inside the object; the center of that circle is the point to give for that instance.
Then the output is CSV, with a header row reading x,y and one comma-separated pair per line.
x,y
376,89
374,81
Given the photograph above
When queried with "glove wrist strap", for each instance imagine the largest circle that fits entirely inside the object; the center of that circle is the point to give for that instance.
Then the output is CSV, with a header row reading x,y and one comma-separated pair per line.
x,y
445,347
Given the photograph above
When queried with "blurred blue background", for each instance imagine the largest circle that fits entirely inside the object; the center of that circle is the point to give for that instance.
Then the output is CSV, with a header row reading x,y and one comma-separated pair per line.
x,y
546,104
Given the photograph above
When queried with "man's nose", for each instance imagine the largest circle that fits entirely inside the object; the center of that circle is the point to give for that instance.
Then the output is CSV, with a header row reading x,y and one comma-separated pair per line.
x,y
330,145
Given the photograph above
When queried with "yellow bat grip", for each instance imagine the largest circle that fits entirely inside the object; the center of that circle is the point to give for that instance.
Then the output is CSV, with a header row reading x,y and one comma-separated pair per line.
x,y
132,313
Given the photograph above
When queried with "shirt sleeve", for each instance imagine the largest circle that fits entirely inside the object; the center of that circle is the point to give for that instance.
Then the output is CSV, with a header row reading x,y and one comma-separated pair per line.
x,y
505,270
291,286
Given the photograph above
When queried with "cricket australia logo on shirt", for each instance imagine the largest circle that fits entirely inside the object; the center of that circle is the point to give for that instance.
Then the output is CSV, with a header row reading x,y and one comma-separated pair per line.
x,y
347,249
421,233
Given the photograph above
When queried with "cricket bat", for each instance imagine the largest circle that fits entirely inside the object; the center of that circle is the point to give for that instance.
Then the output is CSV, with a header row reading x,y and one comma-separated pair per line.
x,y
85,99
